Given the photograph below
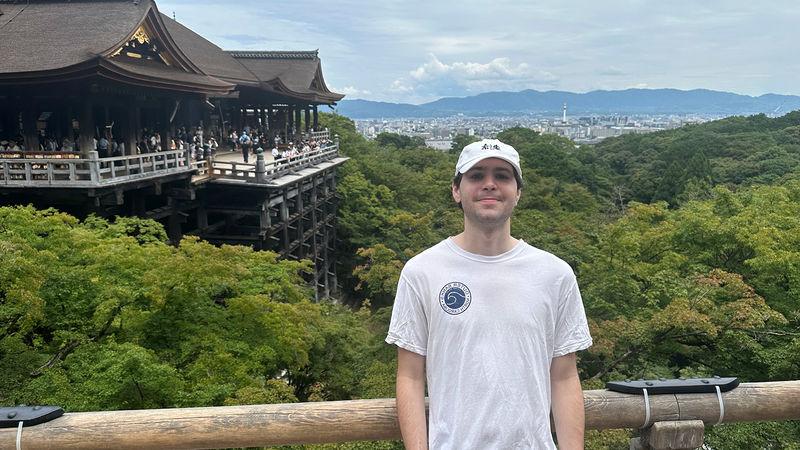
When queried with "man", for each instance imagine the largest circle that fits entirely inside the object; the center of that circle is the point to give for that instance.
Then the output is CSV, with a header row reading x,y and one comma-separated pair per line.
x,y
491,323
245,142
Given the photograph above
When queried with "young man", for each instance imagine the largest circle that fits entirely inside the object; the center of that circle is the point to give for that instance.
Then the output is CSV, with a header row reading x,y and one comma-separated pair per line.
x,y
491,323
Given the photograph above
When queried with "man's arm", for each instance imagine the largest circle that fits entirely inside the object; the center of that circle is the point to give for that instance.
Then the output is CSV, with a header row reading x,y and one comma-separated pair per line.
x,y
567,401
411,399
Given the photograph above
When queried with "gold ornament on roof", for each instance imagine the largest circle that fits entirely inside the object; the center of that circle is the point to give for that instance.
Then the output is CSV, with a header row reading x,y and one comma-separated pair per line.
x,y
141,36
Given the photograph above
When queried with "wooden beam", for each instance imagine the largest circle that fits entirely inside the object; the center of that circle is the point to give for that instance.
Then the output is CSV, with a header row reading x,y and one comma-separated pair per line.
x,y
354,420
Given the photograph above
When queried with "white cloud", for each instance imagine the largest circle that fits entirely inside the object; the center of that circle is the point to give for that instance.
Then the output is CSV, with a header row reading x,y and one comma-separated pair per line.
x,y
436,78
352,91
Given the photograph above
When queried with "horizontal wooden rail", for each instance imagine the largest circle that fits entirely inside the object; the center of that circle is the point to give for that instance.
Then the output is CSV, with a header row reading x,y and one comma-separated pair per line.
x,y
62,171
249,172
355,420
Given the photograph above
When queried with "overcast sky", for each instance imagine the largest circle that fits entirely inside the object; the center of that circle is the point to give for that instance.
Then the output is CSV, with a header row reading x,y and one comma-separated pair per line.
x,y
415,51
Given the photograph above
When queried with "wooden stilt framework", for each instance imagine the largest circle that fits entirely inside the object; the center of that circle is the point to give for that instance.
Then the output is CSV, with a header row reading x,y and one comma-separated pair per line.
x,y
294,215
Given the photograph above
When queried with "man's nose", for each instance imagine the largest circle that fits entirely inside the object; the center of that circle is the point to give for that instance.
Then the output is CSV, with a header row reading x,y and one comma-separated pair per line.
x,y
489,182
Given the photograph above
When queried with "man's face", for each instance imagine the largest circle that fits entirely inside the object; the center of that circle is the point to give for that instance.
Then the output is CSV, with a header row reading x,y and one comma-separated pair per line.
x,y
488,192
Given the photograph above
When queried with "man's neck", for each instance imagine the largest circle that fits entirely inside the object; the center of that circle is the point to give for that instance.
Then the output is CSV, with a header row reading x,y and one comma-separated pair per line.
x,y
487,242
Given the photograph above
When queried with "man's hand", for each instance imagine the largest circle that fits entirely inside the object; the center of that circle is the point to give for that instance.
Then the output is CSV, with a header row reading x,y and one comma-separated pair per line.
x,y
567,402
411,399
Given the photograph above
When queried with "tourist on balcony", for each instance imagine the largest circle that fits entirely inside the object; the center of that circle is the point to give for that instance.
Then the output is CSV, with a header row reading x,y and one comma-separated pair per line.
x,y
245,142
3,145
213,145
102,146
67,145
492,325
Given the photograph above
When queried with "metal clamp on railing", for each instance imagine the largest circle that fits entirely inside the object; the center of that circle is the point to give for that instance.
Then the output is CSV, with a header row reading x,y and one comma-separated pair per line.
x,y
644,387
22,415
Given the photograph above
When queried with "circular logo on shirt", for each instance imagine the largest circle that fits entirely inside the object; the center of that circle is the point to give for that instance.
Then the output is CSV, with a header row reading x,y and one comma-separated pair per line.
x,y
455,297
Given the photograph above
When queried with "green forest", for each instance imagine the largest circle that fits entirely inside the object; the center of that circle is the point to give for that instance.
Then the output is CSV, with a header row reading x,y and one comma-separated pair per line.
x,y
686,245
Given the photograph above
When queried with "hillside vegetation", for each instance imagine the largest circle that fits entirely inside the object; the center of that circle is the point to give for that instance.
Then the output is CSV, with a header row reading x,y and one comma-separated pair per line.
x,y
686,245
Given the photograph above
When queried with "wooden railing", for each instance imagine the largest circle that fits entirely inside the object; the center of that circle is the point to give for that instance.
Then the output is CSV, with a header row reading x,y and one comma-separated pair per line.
x,y
255,173
91,171
357,420
320,135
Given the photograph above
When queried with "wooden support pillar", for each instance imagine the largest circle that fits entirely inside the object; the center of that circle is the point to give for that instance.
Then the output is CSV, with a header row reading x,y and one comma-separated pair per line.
x,y
30,134
132,128
285,221
289,123
236,118
139,203
202,217
86,134
297,120
319,266
316,118
264,119
165,128
307,122
671,435
300,215
265,221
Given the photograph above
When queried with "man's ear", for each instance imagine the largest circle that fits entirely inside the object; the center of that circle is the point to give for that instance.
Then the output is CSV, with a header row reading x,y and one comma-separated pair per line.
x,y
456,193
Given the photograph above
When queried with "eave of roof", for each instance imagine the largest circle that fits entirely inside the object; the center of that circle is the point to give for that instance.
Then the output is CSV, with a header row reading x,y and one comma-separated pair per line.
x,y
290,73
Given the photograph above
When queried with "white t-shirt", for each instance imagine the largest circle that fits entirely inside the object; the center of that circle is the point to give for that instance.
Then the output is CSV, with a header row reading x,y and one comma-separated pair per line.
x,y
489,327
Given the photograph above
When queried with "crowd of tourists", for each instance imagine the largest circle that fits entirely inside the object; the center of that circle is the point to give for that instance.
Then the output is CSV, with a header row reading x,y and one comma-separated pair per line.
x,y
250,140
247,141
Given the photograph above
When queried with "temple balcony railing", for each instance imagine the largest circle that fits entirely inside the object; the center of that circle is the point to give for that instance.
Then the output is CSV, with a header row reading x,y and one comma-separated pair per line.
x,y
672,421
319,135
72,170
263,172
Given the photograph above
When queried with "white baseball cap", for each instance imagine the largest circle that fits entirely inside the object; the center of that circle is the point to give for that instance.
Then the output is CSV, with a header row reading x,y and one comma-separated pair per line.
x,y
487,148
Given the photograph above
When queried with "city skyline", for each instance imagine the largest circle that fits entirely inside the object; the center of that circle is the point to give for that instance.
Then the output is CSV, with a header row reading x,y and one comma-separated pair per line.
x,y
414,52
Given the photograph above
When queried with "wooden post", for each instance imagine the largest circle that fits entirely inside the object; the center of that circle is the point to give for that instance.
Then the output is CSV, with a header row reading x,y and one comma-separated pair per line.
x,y
671,435
285,221
307,122
298,203
297,120
94,166
316,119
289,122
30,134
261,170
86,132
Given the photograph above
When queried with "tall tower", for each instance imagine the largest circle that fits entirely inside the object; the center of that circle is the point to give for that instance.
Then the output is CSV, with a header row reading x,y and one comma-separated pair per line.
x,y
564,113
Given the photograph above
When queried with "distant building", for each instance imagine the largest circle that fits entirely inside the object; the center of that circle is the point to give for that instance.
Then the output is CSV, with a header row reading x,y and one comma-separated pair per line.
x,y
439,144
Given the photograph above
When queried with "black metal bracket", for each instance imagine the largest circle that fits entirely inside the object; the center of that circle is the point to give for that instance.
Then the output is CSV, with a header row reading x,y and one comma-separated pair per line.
x,y
29,415
674,385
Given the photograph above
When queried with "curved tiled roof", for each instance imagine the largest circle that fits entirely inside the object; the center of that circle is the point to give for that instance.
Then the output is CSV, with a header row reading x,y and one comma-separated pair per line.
x,y
42,41
294,72
158,75
211,59
41,36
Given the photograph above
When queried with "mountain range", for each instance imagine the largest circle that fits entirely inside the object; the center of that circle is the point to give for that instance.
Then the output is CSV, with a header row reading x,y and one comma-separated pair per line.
x,y
629,101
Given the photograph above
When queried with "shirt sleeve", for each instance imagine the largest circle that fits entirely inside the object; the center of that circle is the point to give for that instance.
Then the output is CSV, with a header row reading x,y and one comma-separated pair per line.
x,y
408,328
572,329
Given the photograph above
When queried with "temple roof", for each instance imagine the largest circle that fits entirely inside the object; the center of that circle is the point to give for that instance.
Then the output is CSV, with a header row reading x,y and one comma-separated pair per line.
x,y
211,59
50,35
42,41
297,73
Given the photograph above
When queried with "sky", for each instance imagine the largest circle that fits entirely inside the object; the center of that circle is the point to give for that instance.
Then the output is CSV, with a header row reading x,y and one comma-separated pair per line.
x,y
414,51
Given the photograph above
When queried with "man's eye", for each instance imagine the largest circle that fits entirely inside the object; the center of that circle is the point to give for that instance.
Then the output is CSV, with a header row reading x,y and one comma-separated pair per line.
x,y
502,176
475,176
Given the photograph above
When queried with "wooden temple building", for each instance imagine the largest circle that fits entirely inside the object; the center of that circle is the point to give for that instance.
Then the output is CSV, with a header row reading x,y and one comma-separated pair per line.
x,y
99,98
